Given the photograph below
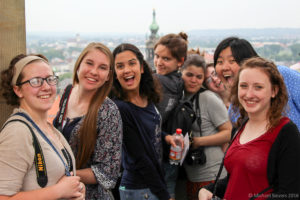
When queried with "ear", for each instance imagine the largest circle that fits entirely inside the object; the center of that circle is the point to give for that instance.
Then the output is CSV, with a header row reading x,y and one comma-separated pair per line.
x,y
142,69
274,92
180,63
18,91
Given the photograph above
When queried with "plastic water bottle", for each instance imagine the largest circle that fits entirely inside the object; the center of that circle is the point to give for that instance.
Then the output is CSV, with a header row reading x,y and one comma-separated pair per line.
x,y
176,152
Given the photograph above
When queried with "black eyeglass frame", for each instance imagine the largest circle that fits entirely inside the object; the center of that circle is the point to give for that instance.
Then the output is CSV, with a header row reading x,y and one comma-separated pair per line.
x,y
42,81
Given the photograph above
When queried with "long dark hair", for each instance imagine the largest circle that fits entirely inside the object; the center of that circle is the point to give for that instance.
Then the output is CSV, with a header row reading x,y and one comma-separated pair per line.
x,y
149,86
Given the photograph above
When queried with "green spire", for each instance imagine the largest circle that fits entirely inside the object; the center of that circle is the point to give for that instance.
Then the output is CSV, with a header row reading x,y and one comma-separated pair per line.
x,y
154,26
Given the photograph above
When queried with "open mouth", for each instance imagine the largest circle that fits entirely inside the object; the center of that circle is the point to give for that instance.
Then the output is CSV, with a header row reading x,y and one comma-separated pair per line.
x,y
129,78
228,78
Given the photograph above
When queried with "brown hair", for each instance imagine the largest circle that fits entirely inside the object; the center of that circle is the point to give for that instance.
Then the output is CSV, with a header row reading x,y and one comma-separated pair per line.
x,y
176,43
196,51
7,76
278,103
196,60
88,131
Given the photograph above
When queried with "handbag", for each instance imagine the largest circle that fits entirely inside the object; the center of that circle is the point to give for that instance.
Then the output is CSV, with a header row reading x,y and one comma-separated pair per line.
x,y
196,156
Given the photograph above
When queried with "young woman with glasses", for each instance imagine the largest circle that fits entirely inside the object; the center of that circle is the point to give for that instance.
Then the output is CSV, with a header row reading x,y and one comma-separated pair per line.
x,y
30,84
213,83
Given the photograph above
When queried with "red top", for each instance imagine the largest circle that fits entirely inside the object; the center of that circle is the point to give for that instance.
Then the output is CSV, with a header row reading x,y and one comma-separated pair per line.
x,y
247,165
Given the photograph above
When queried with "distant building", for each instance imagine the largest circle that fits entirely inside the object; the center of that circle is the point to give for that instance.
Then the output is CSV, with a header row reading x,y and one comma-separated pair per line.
x,y
151,41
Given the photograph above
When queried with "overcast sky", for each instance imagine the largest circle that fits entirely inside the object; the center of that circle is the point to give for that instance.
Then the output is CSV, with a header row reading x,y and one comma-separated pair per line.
x,y
135,16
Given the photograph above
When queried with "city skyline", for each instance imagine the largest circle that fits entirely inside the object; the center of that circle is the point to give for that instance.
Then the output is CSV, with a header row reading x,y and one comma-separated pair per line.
x,y
135,16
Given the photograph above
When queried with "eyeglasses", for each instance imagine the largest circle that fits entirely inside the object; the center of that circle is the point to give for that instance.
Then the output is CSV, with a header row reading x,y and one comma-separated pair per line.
x,y
39,81
209,79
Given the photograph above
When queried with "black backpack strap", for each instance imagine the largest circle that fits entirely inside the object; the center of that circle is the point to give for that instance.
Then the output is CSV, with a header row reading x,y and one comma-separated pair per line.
x,y
63,106
39,159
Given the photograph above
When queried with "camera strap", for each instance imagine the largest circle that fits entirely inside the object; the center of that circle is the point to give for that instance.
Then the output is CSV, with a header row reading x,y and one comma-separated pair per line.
x,y
198,112
63,107
67,171
39,160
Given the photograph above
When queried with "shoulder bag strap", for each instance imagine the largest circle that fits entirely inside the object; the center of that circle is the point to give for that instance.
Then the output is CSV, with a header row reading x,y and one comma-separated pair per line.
x,y
222,163
67,171
260,193
63,106
39,159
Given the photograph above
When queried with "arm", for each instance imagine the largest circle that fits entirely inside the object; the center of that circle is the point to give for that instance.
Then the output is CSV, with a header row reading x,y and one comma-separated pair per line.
x,y
292,81
206,192
170,139
218,138
67,187
87,176
214,117
106,161
285,157
14,166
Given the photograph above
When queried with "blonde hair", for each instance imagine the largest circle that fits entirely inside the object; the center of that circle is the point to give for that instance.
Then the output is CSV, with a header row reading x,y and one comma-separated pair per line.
x,y
87,134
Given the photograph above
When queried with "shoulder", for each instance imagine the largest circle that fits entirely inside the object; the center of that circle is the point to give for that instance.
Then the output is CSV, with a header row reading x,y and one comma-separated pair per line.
x,y
108,104
208,94
15,129
171,81
108,107
16,133
289,133
122,105
288,74
287,138
210,97
16,124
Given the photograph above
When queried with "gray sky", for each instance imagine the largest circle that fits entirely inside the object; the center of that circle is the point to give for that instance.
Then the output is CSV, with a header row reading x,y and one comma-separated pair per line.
x,y
135,16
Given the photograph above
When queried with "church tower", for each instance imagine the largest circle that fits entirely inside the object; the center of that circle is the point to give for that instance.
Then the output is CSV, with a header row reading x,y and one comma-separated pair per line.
x,y
151,41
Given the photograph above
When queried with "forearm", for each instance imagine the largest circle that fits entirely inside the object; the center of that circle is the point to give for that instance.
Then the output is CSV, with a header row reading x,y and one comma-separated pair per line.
x,y
212,140
87,176
217,139
48,193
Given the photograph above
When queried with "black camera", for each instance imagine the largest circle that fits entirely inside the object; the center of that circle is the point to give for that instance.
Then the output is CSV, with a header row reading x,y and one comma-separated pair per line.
x,y
196,156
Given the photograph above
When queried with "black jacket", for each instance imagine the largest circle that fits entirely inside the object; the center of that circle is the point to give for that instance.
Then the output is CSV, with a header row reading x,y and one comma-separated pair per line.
x,y
172,88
